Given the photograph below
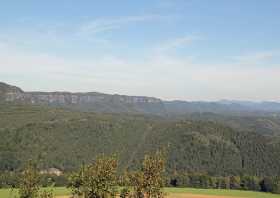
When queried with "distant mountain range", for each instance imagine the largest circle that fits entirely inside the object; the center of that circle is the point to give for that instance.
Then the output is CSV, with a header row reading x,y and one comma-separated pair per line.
x,y
219,138
100,102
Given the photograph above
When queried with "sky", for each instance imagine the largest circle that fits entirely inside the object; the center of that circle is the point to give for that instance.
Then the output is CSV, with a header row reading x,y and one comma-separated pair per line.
x,y
170,49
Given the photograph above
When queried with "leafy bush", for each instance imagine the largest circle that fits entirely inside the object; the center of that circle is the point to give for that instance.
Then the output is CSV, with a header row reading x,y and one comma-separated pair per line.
x,y
29,182
97,180
149,181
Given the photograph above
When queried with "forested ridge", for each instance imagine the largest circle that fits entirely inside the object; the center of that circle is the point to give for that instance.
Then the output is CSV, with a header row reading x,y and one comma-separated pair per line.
x,y
64,139
115,103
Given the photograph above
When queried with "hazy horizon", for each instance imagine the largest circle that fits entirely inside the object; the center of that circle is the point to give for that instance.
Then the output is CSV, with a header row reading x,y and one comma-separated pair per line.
x,y
168,49
164,99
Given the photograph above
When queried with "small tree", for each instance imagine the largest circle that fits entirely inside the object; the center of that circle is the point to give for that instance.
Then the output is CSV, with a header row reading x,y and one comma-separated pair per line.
x,y
153,168
97,180
234,182
137,181
149,181
29,182
77,183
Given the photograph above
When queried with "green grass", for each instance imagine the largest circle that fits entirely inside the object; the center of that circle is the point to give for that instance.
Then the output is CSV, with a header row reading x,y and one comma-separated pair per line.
x,y
234,193
8,193
58,191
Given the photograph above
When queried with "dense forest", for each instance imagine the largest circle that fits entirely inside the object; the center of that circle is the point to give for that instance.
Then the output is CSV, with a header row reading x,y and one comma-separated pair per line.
x,y
206,145
64,139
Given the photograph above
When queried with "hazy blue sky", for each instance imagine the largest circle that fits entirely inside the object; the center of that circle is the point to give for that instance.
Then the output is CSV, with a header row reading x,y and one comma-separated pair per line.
x,y
172,49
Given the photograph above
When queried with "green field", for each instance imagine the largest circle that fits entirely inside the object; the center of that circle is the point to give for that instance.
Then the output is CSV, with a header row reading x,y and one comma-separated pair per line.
x,y
7,193
233,193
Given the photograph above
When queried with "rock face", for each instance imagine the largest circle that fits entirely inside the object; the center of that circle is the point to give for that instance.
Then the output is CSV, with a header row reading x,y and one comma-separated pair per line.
x,y
100,102
91,101
66,98
8,92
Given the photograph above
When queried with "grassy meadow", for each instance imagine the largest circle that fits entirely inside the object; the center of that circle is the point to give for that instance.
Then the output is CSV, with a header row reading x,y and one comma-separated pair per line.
x,y
171,192
11,193
220,192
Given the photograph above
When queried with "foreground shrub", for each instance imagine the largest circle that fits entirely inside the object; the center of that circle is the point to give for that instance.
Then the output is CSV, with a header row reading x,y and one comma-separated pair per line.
x,y
97,180
149,181
29,182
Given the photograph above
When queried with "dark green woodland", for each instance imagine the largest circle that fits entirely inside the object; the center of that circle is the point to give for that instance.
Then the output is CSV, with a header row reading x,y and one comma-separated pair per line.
x,y
64,139
57,130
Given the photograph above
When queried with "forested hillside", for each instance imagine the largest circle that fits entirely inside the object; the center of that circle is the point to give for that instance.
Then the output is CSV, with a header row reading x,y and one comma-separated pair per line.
x,y
268,125
64,139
